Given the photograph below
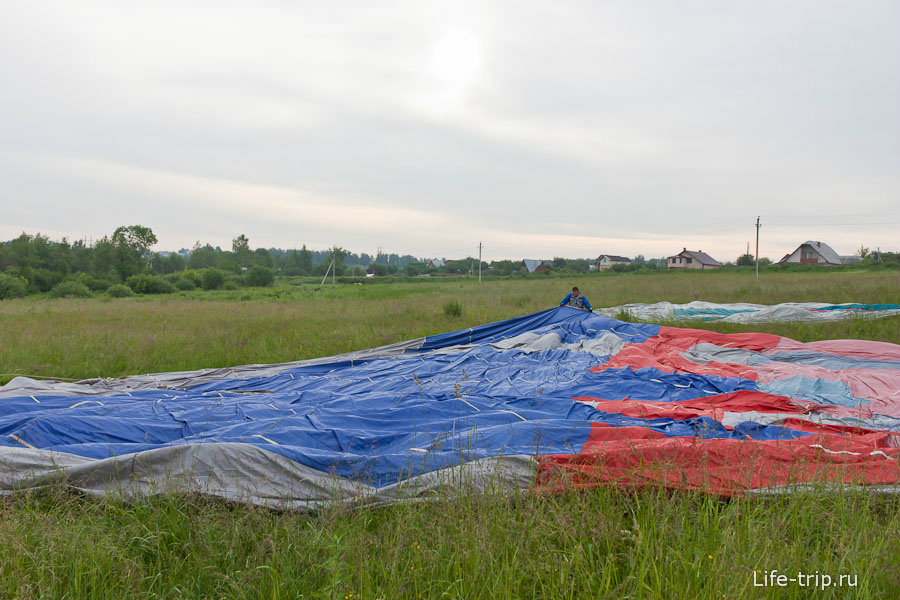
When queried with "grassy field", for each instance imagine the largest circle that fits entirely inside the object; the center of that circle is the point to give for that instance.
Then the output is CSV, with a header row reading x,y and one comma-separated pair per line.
x,y
127,336
604,543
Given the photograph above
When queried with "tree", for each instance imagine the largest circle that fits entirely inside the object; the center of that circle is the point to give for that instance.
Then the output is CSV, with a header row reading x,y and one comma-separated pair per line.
x,y
166,264
240,246
131,249
226,264
263,257
414,268
337,254
202,257
176,263
103,259
746,260
80,257
504,267
43,252
60,258
381,269
21,251
291,264
240,243
305,261
578,265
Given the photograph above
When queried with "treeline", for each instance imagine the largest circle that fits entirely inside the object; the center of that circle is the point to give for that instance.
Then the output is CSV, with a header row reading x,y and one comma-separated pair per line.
x,y
287,262
124,263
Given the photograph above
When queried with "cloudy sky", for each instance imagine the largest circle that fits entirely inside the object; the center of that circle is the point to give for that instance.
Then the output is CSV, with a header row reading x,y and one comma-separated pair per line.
x,y
538,128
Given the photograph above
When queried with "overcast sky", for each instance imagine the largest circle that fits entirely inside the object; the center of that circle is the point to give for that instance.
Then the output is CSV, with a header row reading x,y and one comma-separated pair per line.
x,y
539,128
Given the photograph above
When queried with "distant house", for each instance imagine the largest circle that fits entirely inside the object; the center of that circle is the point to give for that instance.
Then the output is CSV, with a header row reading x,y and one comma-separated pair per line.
x,y
530,265
691,259
813,252
435,263
605,262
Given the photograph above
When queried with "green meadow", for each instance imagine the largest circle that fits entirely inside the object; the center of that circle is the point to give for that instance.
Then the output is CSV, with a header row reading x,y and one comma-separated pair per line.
x,y
601,543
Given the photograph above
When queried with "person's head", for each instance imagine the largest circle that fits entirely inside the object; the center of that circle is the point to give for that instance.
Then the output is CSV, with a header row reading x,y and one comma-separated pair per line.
x,y
575,292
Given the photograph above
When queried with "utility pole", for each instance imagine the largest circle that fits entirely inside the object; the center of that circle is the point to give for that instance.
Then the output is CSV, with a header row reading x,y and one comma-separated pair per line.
x,y
757,248
479,262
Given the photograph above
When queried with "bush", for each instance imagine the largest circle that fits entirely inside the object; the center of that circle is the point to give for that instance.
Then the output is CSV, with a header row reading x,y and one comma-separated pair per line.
x,y
12,286
94,284
212,279
259,276
191,276
70,289
453,309
231,284
146,283
119,291
45,280
229,266
184,284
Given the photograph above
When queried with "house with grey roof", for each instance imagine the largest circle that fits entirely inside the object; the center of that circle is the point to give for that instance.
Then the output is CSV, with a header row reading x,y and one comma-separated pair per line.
x,y
692,259
813,252
530,265
605,262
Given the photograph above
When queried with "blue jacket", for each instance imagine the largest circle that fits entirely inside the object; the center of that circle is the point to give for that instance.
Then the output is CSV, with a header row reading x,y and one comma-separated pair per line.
x,y
580,302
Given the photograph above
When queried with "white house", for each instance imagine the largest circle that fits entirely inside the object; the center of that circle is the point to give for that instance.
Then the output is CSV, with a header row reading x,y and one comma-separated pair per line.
x,y
691,259
813,252
605,262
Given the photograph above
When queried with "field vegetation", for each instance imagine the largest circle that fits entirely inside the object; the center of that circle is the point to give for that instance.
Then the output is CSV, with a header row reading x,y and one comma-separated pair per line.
x,y
603,543
297,319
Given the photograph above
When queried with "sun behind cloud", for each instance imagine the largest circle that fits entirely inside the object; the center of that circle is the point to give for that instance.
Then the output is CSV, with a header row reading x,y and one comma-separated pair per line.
x,y
456,62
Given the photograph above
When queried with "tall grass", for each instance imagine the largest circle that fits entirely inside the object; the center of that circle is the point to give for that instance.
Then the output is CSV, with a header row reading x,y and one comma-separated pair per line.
x,y
78,338
602,544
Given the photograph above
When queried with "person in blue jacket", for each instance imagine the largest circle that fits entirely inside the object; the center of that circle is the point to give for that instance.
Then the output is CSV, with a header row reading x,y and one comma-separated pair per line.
x,y
576,300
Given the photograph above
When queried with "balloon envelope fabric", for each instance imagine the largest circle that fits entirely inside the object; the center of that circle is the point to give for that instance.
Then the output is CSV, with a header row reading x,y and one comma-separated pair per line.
x,y
554,399
751,313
